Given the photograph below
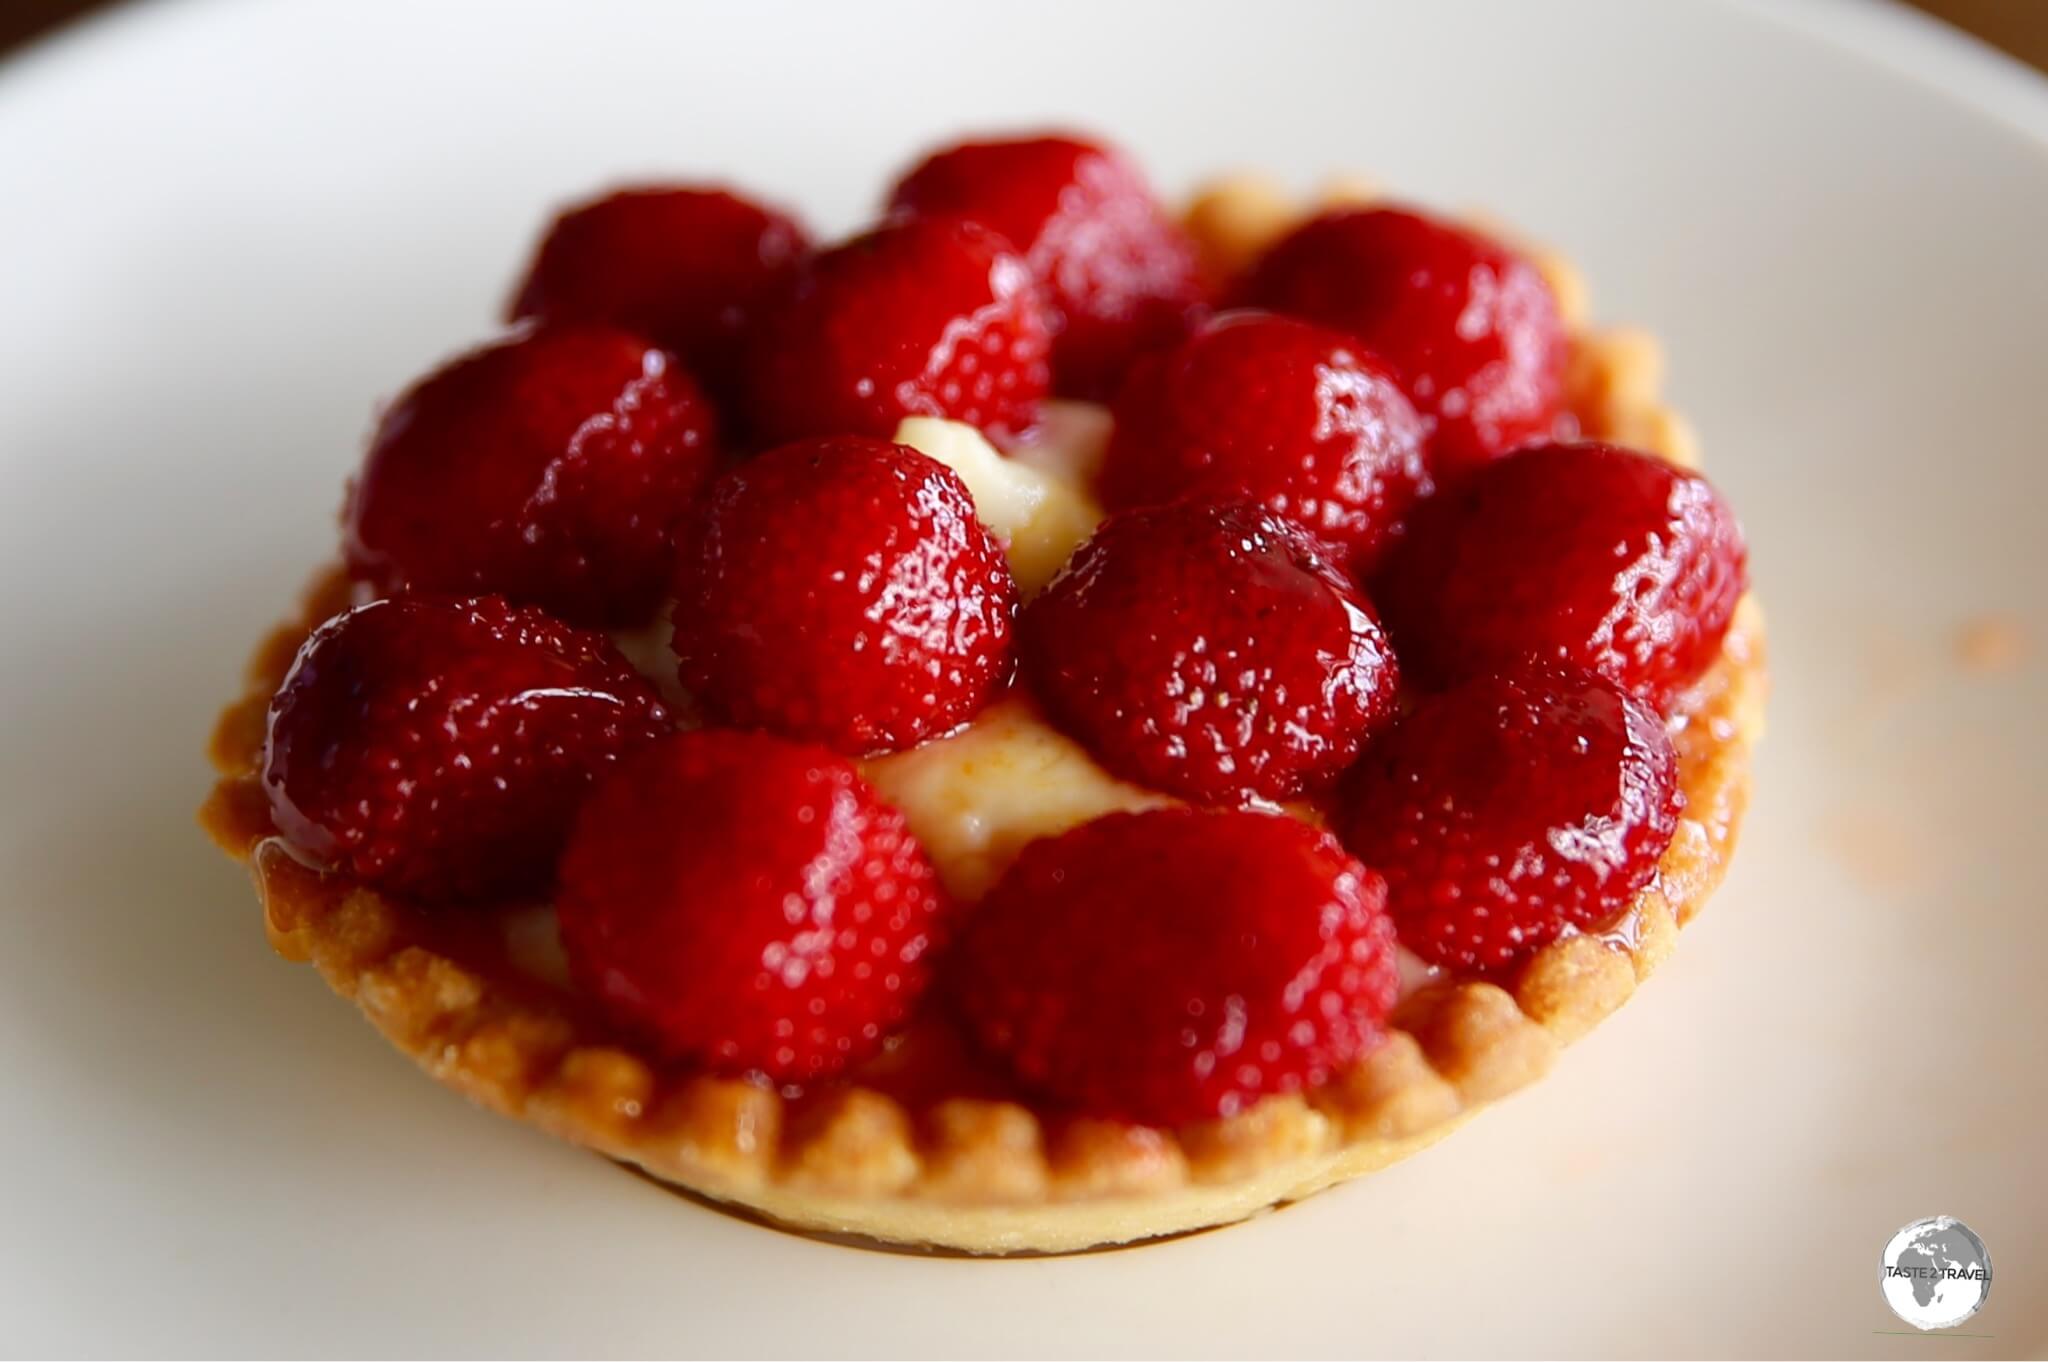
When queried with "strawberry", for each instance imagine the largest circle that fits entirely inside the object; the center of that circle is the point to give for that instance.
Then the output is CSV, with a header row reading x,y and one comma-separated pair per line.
x,y
1210,651
1470,326
1294,416
1513,809
1587,555
1118,271
550,467
918,317
842,591
1178,965
685,265
437,748
749,903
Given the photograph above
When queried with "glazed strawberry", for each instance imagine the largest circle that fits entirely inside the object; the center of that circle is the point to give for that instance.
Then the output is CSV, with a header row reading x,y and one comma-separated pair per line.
x,y
437,748
842,590
550,466
1210,651
1469,325
1120,274
1512,809
918,317
685,265
1583,554
748,902
1177,965
1294,416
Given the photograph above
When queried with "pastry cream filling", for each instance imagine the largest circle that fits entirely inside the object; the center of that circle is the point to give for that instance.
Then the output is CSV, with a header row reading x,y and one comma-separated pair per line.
x,y
974,799
1035,502
1008,778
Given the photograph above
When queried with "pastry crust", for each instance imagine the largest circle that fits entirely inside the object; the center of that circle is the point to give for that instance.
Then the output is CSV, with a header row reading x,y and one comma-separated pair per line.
x,y
982,1174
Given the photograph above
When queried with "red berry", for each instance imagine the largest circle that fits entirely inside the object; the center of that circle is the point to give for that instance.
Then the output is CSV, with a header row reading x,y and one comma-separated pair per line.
x,y
1470,326
1210,651
687,266
551,467
1120,274
1581,554
437,748
1178,965
1296,417
919,317
1511,809
748,902
843,591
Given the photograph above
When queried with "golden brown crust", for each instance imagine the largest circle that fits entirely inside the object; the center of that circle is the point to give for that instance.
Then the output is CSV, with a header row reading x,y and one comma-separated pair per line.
x,y
990,1176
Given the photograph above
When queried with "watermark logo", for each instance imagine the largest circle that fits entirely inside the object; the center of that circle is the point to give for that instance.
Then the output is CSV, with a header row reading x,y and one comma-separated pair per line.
x,y
1936,1273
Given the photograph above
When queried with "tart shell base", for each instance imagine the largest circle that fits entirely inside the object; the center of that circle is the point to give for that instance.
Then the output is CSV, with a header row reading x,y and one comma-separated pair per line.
x,y
1055,1228
966,1173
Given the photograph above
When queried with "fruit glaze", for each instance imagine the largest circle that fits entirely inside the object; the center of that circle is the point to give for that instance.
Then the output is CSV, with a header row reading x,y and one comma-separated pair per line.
x,y
1043,724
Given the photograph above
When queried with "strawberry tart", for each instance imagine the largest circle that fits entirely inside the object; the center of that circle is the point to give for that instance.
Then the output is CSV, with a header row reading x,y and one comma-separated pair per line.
x,y
1048,722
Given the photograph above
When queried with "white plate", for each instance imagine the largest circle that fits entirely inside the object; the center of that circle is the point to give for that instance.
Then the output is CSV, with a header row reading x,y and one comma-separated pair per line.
x,y
229,227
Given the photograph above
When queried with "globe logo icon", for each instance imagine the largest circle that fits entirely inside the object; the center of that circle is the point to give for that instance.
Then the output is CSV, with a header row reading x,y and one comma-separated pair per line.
x,y
1936,1273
